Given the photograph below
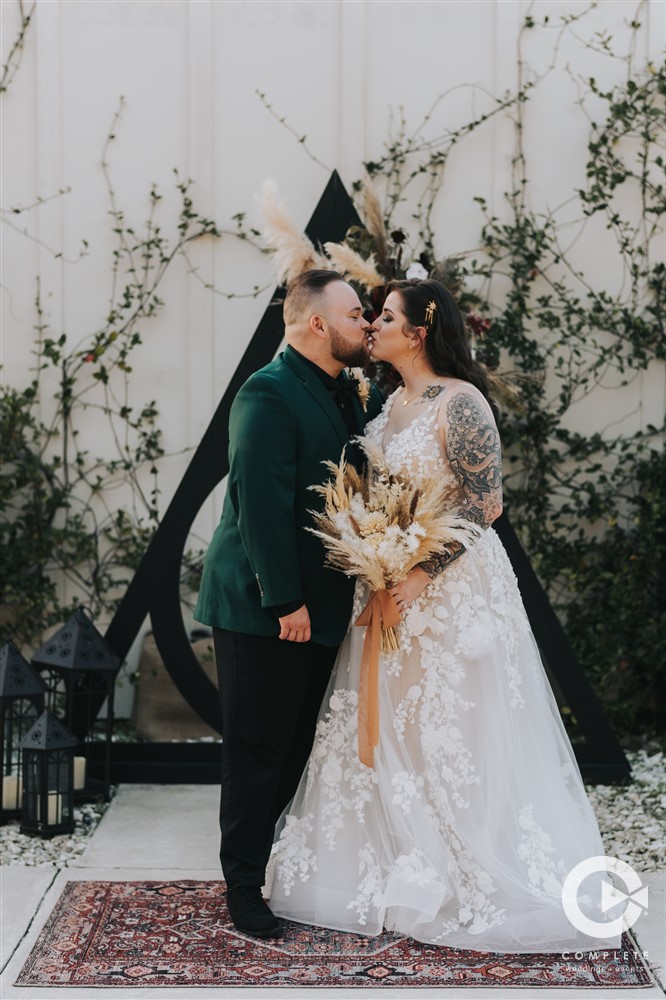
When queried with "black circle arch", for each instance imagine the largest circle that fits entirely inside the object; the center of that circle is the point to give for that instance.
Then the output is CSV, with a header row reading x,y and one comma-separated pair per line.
x,y
155,587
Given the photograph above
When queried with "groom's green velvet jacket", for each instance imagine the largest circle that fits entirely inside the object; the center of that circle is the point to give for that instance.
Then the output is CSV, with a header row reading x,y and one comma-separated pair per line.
x,y
283,425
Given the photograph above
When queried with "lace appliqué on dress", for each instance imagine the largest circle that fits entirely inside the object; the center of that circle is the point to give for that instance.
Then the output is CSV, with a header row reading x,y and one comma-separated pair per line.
x,y
439,840
345,783
536,852
370,884
293,859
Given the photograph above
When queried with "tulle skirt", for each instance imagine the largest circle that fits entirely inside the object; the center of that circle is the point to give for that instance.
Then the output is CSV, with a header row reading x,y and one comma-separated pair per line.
x,y
474,813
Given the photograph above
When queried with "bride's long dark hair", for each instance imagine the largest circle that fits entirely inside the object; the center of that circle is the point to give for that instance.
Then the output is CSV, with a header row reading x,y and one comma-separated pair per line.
x,y
447,345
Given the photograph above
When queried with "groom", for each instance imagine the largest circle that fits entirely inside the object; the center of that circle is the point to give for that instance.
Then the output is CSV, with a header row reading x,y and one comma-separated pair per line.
x,y
278,614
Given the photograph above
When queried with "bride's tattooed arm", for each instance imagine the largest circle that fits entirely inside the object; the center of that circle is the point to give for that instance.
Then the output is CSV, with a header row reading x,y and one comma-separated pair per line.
x,y
475,455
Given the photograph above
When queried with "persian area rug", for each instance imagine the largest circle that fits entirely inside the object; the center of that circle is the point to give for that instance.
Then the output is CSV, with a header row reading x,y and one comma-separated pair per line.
x,y
111,934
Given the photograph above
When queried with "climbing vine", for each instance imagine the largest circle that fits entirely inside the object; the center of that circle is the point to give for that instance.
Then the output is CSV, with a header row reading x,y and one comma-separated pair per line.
x,y
587,497
74,524
15,54
588,503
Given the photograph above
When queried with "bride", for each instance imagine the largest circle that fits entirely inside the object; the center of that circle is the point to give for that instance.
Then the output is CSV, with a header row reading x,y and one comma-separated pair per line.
x,y
474,812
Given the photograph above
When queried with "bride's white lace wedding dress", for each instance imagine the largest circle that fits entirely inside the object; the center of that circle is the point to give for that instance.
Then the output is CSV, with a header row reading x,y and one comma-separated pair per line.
x,y
475,811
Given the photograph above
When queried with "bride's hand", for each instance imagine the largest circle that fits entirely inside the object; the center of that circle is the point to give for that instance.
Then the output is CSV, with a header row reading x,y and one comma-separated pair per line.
x,y
409,589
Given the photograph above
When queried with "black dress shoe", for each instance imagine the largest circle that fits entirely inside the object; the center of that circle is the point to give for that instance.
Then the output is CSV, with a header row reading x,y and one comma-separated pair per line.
x,y
250,914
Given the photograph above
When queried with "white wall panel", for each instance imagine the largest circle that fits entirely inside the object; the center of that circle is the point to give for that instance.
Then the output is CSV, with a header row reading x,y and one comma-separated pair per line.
x,y
336,69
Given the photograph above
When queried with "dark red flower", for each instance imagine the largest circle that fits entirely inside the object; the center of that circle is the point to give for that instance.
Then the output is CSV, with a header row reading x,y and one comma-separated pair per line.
x,y
478,324
377,296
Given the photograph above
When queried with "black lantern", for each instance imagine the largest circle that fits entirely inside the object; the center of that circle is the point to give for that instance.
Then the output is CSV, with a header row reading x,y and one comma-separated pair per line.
x,y
48,778
79,669
21,701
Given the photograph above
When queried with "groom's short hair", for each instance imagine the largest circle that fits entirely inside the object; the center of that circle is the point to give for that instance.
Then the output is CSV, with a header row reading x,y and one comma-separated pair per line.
x,y
303,291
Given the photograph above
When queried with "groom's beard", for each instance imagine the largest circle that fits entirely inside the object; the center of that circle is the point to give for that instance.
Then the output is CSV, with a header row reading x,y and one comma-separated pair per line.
x,y
352,355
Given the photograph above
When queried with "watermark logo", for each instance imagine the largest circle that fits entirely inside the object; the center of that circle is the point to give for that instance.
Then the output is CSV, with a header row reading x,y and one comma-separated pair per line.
x,y
636,896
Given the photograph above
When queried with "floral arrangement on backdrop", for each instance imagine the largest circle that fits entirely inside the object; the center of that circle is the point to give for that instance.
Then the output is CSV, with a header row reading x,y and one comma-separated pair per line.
x,y
369,256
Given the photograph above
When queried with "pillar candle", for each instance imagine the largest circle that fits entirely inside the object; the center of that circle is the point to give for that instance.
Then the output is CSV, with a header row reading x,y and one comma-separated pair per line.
x,y
79,773
55,807
12,791
54,811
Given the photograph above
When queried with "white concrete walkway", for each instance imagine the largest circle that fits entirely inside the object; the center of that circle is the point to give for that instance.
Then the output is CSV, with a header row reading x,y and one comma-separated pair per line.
x,y
170,831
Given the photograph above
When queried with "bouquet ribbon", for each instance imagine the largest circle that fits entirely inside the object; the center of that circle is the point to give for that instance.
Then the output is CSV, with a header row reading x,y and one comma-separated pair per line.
x,y
380,614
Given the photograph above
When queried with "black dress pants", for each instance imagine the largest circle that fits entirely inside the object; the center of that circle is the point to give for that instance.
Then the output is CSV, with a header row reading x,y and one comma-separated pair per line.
x,y
270,691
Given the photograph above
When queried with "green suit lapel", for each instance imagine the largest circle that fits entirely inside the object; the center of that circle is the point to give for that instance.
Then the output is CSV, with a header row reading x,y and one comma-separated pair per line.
x,y
318,391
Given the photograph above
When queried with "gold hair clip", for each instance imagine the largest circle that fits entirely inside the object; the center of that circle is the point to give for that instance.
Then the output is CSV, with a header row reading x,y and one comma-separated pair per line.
x,y
430,312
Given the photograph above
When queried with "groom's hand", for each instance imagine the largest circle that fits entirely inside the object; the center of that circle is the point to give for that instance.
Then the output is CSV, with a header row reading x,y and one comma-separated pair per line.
x,y
296,626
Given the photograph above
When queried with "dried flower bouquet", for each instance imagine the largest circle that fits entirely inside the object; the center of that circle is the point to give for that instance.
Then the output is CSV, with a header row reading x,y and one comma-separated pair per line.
x,y
379,525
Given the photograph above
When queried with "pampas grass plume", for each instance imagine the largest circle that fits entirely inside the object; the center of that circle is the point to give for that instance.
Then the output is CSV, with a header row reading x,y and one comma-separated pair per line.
x,y
293,252
374,222
353,266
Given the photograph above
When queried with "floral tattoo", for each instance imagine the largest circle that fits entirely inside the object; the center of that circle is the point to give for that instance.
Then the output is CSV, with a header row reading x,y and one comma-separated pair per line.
x,y
475,455
433,566
476,458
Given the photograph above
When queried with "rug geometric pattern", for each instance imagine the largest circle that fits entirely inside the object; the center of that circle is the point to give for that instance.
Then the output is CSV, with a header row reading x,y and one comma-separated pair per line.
x,y
178,934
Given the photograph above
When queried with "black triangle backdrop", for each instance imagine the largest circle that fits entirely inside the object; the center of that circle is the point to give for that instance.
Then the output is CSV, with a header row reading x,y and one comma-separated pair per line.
x,y
155,588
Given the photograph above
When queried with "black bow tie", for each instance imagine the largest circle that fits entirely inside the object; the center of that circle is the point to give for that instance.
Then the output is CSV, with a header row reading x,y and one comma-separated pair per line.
x,y
344,387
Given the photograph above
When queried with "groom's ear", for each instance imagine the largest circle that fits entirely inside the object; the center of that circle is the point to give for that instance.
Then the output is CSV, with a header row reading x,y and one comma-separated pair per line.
x,y
318,325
